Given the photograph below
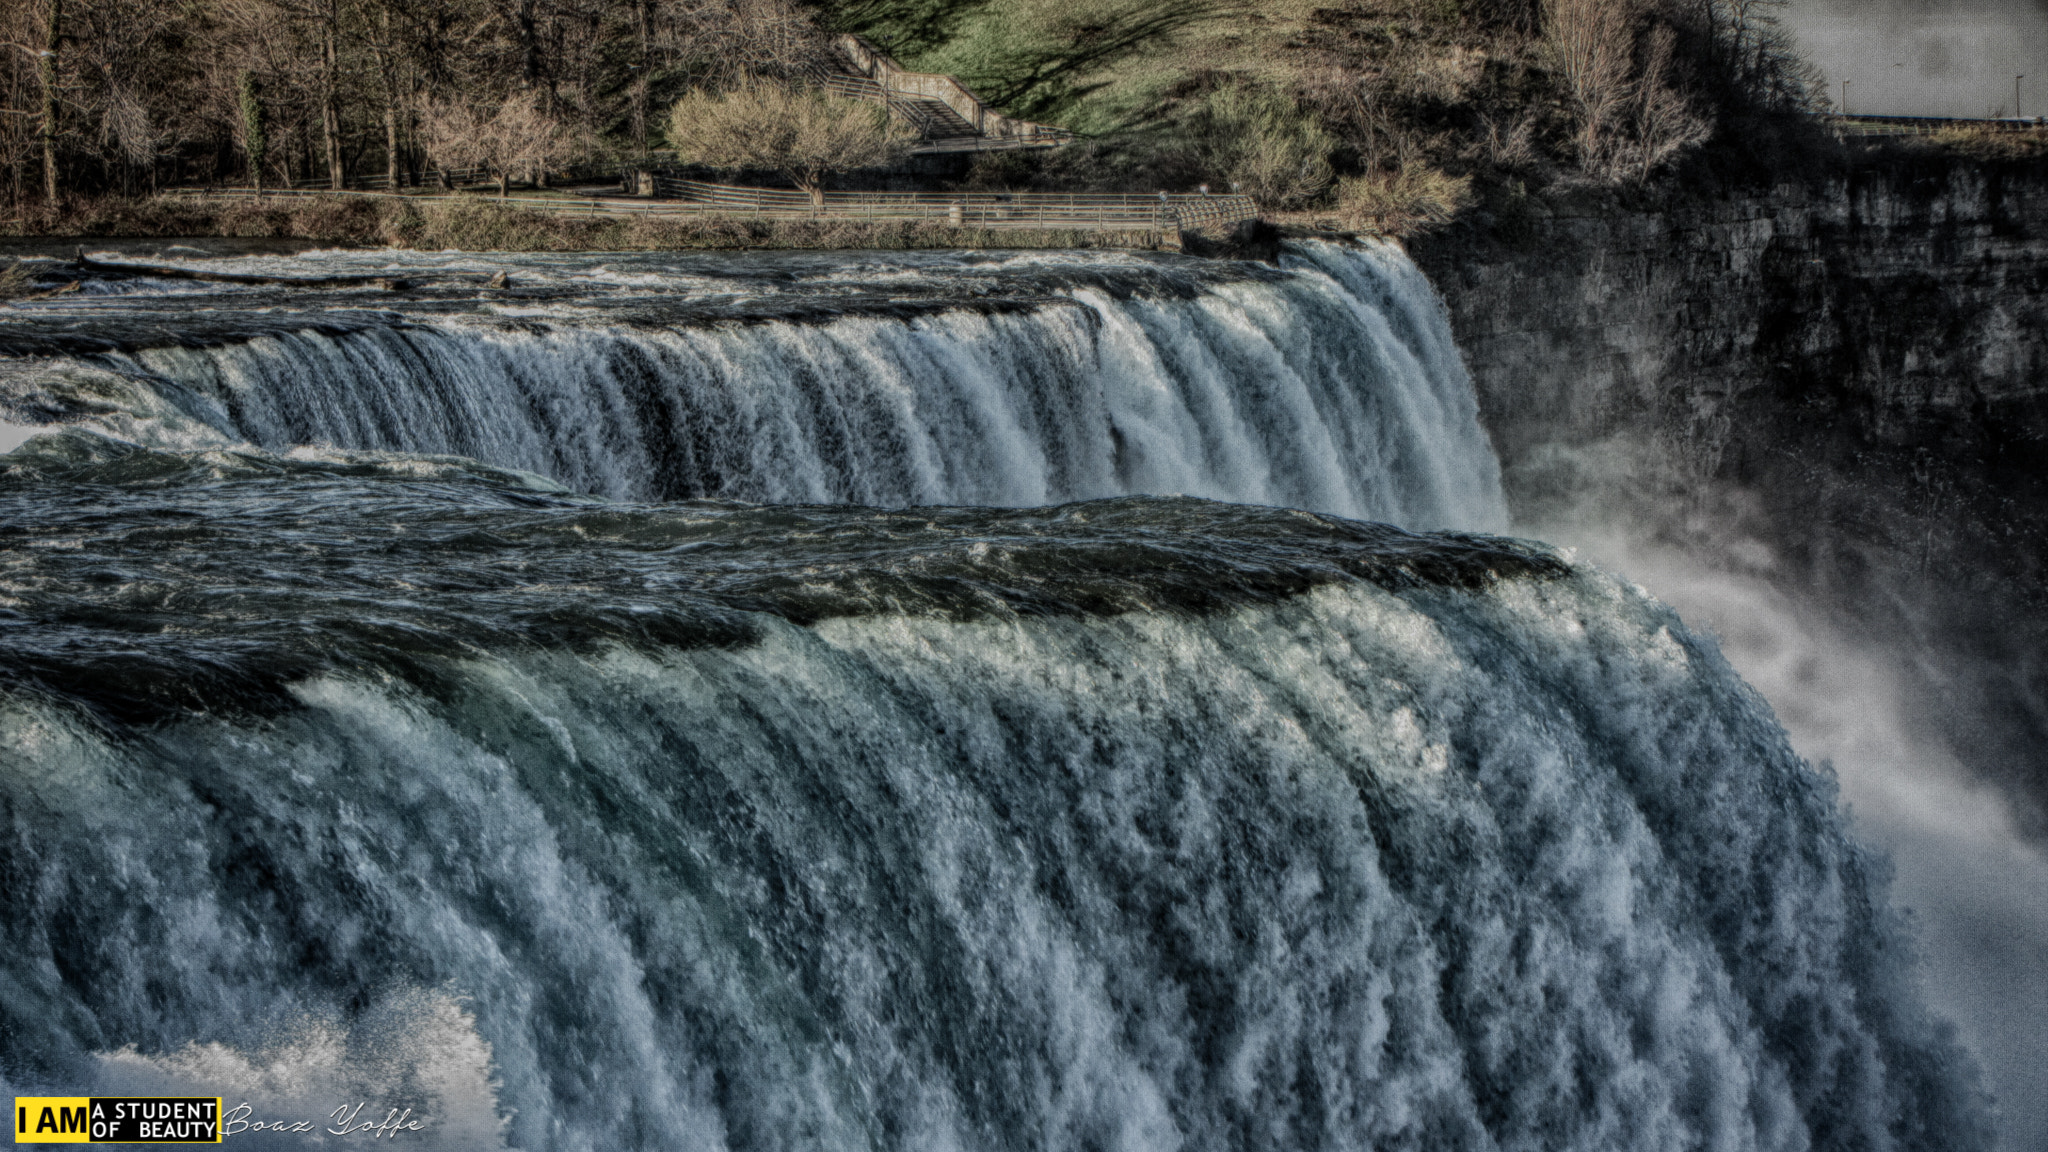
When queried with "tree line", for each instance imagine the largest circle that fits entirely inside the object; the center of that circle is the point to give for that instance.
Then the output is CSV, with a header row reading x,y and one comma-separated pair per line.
x,y
126,96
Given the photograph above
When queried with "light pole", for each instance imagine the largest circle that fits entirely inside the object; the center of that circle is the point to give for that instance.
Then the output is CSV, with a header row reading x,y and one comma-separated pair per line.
x,y
2016,94
1845,97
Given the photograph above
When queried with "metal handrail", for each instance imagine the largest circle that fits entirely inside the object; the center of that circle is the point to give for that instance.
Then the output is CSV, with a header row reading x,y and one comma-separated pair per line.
x,y
1225,205
1046,210
1864,124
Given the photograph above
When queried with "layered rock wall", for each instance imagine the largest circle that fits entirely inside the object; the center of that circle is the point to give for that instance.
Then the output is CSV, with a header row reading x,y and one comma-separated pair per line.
x,y
1841,385
1886,297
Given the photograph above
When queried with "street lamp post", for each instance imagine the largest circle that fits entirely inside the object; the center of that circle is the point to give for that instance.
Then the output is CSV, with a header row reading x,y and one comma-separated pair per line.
x,y
2016,95
1845,97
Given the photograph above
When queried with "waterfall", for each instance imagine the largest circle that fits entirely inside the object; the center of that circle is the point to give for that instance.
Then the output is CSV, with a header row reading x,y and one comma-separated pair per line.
x,y
957,779
1336,387
1463,851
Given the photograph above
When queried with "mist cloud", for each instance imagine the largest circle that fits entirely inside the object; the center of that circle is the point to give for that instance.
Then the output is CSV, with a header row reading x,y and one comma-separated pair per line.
x,y
1928,57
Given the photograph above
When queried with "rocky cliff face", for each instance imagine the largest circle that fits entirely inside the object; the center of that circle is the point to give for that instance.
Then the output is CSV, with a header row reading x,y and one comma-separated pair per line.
x,y
1841,386
1890,297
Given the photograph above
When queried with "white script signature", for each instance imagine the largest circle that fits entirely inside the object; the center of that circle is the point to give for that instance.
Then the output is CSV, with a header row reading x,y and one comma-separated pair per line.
x,y
348,1122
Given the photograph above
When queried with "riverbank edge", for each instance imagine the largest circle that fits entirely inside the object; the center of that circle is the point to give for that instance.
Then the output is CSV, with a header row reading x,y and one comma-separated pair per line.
x,y
478,225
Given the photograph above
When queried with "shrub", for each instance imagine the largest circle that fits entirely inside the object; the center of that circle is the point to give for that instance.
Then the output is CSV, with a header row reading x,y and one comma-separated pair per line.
x,y
1266,143
807,135
518,137
1990,143
1404,200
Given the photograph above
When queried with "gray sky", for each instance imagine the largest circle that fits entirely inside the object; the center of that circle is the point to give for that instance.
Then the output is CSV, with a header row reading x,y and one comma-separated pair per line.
x,y
1927,57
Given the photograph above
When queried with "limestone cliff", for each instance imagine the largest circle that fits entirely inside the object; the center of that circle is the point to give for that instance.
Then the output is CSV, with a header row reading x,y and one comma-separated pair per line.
x,y
1853,372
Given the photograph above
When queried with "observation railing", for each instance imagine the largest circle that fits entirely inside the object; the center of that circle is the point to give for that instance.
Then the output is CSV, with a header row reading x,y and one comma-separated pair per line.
x,y
1865,125
695,198
980,209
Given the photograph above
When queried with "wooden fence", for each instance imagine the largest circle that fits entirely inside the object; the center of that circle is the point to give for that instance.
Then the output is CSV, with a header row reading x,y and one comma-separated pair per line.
x,y
977,209
459,177
1860,125
693,198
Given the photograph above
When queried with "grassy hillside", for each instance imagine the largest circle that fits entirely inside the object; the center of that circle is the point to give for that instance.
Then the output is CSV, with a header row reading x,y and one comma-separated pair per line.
x,y
1396,110
1101,68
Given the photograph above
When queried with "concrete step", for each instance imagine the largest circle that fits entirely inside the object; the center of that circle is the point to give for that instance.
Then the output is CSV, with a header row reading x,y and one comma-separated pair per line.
x,y
933,119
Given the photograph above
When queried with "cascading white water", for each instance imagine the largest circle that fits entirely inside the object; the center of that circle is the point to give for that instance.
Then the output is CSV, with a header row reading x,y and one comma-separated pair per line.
x,y
1336,388
1527,869
1128,824
1975,886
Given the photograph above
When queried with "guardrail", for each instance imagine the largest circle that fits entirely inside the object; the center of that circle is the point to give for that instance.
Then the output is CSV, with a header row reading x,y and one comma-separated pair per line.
x,y
879,68
694,198
982,209
1864,125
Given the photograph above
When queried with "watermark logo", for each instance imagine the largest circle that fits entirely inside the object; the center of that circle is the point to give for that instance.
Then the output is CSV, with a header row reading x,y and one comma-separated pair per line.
x,y
117,1119
182,1120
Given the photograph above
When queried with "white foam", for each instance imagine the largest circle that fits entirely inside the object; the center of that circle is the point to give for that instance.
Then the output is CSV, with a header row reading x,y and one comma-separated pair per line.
x,y
1335,389
12,436
1976,887
1523,869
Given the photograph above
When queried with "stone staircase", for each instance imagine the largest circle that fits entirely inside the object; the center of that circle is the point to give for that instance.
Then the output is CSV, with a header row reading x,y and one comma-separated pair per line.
x,y
944,114
930,117
933,119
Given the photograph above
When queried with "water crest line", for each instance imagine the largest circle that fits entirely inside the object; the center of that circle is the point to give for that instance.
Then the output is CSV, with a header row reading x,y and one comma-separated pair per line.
x,y
1335,388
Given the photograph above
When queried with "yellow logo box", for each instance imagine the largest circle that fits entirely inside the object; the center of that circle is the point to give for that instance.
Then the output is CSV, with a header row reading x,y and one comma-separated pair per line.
x,y
117,1119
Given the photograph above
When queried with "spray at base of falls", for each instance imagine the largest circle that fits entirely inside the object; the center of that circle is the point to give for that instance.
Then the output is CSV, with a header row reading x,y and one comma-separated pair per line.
x,y
1974,885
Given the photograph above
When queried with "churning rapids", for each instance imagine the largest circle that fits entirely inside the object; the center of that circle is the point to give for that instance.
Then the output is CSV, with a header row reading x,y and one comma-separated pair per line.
x,y
827,703
948,380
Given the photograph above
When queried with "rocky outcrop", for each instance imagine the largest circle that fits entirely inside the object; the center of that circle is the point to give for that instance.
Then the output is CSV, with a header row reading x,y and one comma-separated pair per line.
x,y
1887,296
1854,372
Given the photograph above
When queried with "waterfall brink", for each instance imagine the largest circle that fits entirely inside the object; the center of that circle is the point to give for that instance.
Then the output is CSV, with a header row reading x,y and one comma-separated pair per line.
x,y
1335,387
1454,859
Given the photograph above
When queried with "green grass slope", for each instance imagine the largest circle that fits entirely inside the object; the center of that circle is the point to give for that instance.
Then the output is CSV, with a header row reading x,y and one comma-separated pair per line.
x,y
1395,113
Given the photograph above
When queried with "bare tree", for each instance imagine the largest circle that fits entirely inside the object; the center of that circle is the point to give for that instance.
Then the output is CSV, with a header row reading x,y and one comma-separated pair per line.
x,y
643,64
1749,51
46,70
131,131
305,52
384,49
517,138
1665,123
17,146
108,94
1593,41
806,135
1617,58
327,14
